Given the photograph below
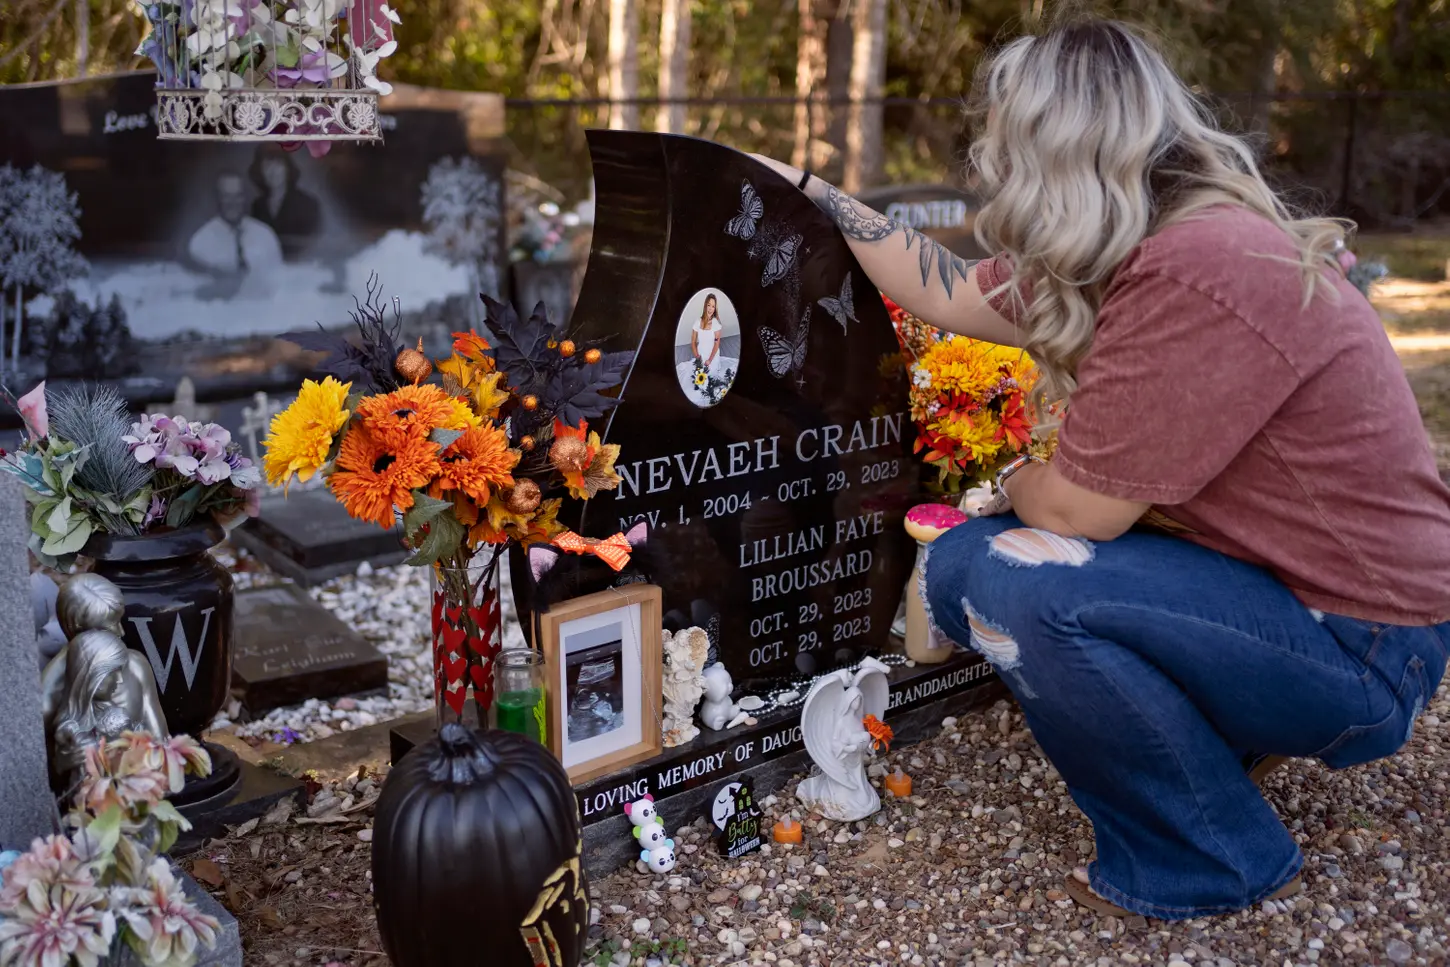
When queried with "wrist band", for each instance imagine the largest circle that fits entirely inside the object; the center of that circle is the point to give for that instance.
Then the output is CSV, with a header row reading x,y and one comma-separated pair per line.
x,y
805,177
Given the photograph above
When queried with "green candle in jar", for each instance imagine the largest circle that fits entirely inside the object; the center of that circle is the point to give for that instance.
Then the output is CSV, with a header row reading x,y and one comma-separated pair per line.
x,y
521,712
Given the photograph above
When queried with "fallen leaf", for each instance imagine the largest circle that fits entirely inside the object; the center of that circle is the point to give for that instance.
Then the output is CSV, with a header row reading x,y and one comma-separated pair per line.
x,y
247,827
208,872
325,818
274,877
360,806
270,917
256,848
234,898
279,813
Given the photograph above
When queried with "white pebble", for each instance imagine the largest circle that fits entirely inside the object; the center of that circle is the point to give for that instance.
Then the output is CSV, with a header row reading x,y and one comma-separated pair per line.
x,y
641,927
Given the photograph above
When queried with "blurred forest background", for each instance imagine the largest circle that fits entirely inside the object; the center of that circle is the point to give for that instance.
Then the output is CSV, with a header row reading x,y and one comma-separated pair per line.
x,y
1349,99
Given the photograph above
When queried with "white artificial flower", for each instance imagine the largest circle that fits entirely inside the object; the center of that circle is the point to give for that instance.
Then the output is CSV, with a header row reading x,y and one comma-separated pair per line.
x,y
214,82
367,64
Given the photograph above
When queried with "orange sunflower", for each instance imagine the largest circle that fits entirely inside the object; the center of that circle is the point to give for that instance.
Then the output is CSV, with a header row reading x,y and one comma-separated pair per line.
x,y
478,463
412,412
374,475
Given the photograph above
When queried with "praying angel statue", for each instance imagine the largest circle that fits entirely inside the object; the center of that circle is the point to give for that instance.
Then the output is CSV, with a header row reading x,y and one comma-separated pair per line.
x,y
833,722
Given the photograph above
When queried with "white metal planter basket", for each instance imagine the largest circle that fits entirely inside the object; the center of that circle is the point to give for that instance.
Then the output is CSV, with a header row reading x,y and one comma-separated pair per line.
x,y
269,70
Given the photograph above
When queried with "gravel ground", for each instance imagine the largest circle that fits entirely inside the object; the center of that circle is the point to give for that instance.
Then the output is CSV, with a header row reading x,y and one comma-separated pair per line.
x,y
967,871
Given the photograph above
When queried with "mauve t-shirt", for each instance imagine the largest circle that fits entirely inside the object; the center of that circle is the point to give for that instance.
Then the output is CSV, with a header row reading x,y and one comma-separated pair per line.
x,y
1278,434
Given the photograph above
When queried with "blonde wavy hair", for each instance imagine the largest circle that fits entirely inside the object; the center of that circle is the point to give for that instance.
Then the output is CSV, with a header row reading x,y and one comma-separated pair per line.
x,y
1086,142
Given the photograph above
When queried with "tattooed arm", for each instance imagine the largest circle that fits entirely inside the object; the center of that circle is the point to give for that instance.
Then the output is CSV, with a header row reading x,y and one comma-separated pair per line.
x,y
921,275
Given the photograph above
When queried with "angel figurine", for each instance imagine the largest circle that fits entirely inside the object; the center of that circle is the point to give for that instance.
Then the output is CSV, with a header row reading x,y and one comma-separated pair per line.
x,y
95,687
833,722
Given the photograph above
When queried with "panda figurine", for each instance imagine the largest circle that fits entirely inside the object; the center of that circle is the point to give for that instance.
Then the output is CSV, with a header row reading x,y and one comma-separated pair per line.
x,y
651,836
641,812
660,860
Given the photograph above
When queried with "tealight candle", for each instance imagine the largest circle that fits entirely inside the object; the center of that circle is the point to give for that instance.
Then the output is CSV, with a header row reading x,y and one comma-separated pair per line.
x,y
898,784
786,831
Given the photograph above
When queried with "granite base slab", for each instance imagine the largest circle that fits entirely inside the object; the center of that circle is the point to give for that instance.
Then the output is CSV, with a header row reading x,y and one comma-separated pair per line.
x,y
608,844
228,949
259,790
769,752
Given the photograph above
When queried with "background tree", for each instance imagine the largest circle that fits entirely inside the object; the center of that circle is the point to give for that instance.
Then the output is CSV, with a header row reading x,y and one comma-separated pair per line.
x,y
39,224
623,64
462,209
674,64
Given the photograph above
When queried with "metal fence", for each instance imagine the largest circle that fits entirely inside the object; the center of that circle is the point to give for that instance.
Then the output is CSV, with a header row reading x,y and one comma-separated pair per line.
x,y
1382,158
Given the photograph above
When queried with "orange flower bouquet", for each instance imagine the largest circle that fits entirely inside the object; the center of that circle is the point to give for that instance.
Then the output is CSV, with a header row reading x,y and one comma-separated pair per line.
x,y
468,465
968,399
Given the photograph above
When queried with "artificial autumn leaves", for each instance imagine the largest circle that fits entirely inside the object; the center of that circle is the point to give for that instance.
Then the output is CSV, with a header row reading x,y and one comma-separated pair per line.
x,y
465,463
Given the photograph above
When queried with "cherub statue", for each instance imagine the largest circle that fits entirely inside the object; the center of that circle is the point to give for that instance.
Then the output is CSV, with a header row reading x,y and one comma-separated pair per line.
x,y
95,686
833,723
684,682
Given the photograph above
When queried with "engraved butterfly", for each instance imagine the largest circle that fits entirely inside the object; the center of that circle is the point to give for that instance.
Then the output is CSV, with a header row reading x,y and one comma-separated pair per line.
x,y
781,258
752,209
842,309
784,355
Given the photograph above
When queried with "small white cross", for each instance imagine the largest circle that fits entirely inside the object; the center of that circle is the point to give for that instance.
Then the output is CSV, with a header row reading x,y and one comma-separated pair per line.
x,y
256,419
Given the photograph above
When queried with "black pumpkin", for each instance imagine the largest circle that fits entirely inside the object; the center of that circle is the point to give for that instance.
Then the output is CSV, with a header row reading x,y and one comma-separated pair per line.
x,y
476,855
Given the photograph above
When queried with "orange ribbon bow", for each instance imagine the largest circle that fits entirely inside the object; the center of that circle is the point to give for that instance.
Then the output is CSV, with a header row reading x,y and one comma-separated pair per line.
x,y
613,551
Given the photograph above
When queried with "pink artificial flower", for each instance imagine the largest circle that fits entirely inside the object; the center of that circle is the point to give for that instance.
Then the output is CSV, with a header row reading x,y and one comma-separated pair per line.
x,y
172,757
58,926
369,24
32,411
51,862
100,791
169,928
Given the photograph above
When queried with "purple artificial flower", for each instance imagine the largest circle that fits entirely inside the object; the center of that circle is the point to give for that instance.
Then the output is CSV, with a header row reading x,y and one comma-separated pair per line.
x,y
245,475
209,445
155,511
312,69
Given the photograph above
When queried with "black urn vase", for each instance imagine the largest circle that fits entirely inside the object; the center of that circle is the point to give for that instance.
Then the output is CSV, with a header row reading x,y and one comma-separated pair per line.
x,y
178,614
476,855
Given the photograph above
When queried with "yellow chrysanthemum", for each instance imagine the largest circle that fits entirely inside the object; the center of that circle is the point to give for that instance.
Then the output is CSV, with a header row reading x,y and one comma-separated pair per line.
x,y
301,436
968,366
976,435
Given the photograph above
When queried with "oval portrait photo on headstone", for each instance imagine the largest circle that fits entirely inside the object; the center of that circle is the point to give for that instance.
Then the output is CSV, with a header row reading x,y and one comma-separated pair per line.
x,y
707,347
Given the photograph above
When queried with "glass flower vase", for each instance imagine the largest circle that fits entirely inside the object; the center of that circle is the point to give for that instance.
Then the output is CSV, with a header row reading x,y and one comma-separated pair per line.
x,y
467,636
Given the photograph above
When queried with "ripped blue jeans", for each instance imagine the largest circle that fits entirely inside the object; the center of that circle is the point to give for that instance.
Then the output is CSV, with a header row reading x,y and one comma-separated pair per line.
x,y
1148,668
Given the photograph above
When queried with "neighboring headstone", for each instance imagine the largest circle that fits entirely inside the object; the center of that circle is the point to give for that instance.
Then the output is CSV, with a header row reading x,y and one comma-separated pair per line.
x,y
26,807
305,533
309,537
172,292
184,404
763,424
288,648
941,212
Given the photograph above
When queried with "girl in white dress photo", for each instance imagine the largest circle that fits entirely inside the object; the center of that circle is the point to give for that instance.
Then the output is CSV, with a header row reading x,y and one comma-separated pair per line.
x,y
707,347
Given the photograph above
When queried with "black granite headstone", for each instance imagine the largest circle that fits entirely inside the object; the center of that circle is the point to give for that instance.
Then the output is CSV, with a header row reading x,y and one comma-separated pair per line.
x,y
763,424
309,537
237,240
941,212
288,648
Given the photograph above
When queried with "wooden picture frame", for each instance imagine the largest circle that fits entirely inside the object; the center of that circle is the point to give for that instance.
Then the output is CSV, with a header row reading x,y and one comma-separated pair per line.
x,y
604,660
